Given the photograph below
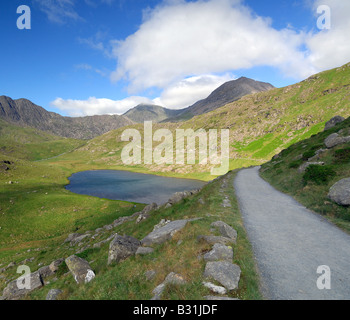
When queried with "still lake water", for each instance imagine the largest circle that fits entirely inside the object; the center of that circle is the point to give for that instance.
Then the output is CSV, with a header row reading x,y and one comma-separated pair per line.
x,y
129,186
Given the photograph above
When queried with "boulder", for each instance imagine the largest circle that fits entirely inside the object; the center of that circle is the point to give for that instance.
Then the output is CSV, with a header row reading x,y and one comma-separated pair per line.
x,y
122,247
340,192
164,233
219,252
226,273
15,291
225,230
53,294
335,139
150,274
80,269
333,122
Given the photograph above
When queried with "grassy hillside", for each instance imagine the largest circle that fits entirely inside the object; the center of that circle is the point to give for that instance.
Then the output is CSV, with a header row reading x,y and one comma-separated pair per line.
x,y
32,144
311,187
260,126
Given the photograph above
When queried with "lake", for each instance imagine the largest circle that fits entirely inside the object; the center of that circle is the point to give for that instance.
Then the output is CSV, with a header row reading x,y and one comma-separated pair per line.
x,y
129,186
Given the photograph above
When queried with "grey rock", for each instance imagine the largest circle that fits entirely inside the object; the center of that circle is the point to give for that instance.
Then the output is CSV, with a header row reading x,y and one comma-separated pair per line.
x,y
144,251
225,230
80,269
214,239
219,252
226,273
53,294
216,289
164,233
334,140
122,247
157,292
45,272
340,192
333,122
13,292
171,278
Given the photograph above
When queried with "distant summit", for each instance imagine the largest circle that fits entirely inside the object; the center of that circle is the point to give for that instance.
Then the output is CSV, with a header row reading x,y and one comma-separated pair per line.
x,y
25,113
149,112
226,93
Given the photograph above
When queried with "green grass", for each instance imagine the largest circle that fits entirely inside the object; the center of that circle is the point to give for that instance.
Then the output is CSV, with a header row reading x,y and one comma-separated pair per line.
x,y
126,280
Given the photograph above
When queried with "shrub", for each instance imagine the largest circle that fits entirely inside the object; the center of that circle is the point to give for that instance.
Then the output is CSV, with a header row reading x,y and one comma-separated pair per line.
x,y
308,154
342,155
295,164
318,174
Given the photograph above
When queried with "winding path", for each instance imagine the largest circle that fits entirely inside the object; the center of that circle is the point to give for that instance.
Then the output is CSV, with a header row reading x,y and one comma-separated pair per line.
x,y
290,242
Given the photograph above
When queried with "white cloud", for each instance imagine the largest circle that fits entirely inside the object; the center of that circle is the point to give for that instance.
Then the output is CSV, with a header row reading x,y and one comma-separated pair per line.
x,y
331,48
59,11
188,91
179,38
94,106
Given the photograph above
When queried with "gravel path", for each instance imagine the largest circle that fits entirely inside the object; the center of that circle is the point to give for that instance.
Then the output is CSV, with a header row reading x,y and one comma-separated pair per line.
x,y
290,242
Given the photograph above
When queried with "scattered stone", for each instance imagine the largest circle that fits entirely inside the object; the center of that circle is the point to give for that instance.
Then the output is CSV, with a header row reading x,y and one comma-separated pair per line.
x,y
171,278
219,252
226,203
201,201
226,273
144,251
168,205
333,122
122,247
53,294
80,269
214,239
225,230
13,292
164,233
340,192
216,289
45,272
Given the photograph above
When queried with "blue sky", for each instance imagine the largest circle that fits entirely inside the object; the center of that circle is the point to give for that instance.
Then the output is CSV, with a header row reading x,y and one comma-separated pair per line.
x,y
84,57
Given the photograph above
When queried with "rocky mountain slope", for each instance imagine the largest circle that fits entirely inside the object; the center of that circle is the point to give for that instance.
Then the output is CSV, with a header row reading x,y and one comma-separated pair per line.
x,y
23,112
148,112
228,92
260,125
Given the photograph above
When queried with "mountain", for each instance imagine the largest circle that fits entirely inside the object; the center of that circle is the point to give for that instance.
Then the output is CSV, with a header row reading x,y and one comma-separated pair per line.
x,y
228,92
23,112
261,125
148,112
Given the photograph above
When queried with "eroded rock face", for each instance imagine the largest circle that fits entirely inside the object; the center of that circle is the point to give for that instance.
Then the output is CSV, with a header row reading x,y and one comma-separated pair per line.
x,y
122,247
333,122
340,192
80,269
